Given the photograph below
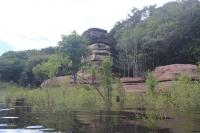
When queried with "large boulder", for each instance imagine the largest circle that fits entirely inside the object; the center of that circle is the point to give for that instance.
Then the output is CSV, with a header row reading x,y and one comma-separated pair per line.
x,y
96,35
82,78
170,72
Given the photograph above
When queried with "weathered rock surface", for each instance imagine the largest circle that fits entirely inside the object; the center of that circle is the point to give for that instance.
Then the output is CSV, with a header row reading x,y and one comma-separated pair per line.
x,y
166,75
96,35
135,87
136,84
82,78
170,72
132,80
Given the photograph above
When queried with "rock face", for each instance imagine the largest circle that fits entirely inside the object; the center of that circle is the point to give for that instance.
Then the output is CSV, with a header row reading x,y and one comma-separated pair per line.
x,y
136,84
170,72
96,35
100,43
127,80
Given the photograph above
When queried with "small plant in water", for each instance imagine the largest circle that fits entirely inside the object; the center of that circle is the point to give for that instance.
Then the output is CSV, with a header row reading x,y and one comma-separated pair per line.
x,y
151,84
106,80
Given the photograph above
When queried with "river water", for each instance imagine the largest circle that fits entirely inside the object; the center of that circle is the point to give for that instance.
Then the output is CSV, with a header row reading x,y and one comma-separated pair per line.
x,y
22,119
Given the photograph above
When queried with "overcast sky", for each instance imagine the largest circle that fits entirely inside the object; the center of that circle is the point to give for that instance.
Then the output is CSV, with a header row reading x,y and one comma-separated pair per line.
x,y
34,24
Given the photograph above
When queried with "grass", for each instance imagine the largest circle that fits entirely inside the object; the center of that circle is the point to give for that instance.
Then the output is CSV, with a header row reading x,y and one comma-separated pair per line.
x,y
183,95
79,97
59,98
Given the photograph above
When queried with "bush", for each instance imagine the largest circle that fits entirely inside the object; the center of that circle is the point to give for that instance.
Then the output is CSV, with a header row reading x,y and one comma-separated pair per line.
x,y
151,84
185,93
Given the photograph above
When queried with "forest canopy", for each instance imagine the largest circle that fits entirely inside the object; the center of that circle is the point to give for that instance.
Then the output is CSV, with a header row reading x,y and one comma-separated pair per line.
x,y
158,36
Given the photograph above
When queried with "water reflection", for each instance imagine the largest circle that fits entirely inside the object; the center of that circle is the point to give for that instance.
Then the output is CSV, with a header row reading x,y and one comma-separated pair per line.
x,y
22,118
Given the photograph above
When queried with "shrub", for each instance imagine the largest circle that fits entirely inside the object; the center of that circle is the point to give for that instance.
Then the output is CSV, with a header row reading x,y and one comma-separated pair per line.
x,y
151,84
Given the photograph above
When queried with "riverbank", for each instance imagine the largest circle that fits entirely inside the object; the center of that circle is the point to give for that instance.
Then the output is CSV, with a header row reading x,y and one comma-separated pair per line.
x,y
182,95
141,109
64,97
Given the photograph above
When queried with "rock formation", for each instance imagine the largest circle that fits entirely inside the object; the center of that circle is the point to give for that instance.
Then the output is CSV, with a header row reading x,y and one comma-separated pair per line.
x,y
99,42
167,75
170,72
96,35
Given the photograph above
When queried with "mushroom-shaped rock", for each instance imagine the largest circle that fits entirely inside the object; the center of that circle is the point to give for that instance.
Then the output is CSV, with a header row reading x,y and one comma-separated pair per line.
x,y
96,35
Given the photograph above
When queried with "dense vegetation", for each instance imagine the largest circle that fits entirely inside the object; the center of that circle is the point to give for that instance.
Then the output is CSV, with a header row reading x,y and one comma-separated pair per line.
x,y
18,66
30,68
147,38
158,36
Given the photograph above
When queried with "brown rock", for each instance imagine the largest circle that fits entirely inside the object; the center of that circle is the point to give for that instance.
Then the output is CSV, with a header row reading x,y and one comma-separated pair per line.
x,y
97,35
135,87
132,80
164,86
170,72
136,84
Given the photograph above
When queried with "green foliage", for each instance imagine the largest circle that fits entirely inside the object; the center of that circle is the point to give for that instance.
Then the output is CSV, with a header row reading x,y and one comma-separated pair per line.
x,y
158,36
106,80
74,46
121,94
185,94
51,68
77,97
148,38
17,66
27,78
11,65
151,84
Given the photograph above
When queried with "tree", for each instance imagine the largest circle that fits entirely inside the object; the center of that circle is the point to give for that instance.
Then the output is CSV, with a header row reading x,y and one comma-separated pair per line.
x,y
51,68
105,76
11,65
17,66
27,76
74,46
158,36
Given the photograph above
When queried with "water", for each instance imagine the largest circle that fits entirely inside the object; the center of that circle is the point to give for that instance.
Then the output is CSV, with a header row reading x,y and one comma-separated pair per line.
x,y
23,119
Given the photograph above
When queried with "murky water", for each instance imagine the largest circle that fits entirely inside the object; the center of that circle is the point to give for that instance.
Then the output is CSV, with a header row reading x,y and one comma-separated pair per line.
x,y
22,119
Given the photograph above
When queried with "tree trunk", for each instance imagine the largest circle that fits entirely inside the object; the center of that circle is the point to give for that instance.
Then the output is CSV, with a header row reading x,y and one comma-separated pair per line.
x,y
136,59
128,69
127,62
74,78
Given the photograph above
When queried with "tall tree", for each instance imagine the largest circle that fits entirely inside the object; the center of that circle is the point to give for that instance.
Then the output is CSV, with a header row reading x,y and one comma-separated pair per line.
x,y
158,36
75,47
51,67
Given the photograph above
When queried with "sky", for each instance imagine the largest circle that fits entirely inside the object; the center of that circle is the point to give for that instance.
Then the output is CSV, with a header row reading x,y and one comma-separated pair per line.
x,y
35,24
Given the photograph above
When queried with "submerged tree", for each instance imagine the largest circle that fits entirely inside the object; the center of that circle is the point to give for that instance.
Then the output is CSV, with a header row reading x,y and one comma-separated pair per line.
x,y
106,80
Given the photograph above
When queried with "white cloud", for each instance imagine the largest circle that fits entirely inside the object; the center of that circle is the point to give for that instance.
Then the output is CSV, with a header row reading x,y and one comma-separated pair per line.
x,y
22,22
